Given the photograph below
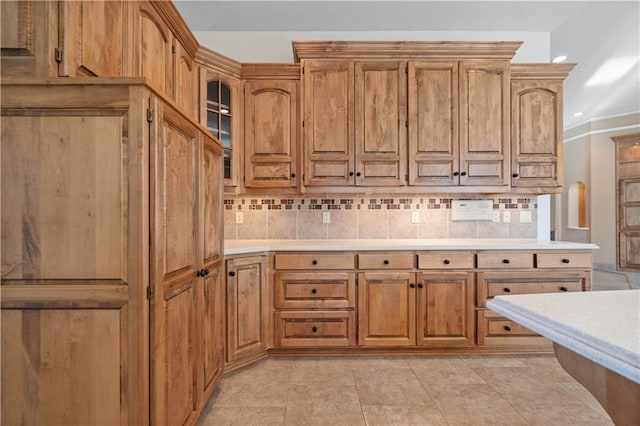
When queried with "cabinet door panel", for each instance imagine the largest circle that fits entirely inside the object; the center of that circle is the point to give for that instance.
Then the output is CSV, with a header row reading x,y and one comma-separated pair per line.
x,y
433,123
154,56
247,307
173,193
64,196
446,309
92,38
386,309
271,123
380,132
536,121
213,326
328,123
186,79
484,123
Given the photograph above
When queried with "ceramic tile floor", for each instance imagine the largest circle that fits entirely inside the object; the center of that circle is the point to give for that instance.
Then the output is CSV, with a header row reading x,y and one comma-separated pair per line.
x,y
424,390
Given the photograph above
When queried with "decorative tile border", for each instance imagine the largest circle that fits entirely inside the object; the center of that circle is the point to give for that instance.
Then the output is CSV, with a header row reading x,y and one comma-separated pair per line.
x,y
366,203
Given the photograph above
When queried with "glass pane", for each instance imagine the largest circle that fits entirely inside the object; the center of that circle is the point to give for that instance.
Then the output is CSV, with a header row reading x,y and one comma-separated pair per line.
x,y
227,163
212,91
226,124
225,138
225,94
212,122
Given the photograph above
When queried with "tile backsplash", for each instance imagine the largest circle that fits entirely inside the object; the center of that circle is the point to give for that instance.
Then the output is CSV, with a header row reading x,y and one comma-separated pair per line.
x,y
366,217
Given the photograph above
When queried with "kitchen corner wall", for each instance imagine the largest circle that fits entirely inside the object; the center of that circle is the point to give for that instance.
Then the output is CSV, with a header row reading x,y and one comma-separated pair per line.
x,y
384,216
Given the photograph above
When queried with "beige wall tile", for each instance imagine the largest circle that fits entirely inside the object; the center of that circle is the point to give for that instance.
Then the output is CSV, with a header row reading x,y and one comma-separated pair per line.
x,y
230,224
463,229
344,224
523,230
434,223
400,225
488,229
282,224
372,223
254,226
310,226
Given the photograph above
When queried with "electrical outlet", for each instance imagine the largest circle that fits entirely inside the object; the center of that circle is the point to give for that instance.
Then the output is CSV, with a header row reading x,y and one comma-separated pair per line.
x,y
415,217
506,217
496,216
239,217
525,217
326,217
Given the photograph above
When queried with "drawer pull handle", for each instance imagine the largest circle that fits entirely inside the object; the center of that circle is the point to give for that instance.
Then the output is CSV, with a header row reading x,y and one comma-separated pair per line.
x,y
314,329
386,262
314,262
564,289
293,175
456,173
507,261
507,328
358,174
515,175
463,173
446,261
412,285
420,285
565,261
506,290
232,274
314,291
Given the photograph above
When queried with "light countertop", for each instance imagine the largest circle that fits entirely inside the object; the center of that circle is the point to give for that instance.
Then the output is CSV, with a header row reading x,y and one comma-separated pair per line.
x,y
603,326
232,247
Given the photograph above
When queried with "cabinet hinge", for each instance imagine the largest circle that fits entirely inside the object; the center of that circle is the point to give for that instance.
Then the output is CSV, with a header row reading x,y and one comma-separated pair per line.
x,y
406,124
149,292
149,115
58,55
303,124
173,49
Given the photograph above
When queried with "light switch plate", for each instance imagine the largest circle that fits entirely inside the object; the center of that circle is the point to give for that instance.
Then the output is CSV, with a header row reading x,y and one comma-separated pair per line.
x,y
326,217
239,218
506,217
525,217
415,217
496,216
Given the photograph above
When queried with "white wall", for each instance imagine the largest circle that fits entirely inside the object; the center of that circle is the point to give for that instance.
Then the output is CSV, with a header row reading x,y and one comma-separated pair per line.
x,y
275,46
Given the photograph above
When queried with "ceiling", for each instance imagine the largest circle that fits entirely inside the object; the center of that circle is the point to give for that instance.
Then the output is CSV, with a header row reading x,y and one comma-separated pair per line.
x,y
592,34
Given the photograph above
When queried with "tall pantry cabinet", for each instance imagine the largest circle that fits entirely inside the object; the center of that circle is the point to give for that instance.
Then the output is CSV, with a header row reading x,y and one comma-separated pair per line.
x,y
111,295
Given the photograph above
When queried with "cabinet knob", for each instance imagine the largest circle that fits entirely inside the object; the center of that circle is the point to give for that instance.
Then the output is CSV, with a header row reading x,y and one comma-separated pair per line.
x,y
420,285
314,329
350,173
506,290
386,262
358,174
446,261
412,285
293,175
199,273
456,173
507,261
314,291
232,274
507,328
206,272
564,289
314,262
515,175
463,173
565,261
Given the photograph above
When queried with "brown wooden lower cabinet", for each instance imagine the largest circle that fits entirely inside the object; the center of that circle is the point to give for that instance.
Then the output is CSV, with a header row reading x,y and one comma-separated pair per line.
x,y
495,330
425,309
315,328
247,309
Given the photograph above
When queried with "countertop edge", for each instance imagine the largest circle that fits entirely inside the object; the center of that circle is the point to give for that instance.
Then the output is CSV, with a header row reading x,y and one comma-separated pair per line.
x,y
571,339
258,246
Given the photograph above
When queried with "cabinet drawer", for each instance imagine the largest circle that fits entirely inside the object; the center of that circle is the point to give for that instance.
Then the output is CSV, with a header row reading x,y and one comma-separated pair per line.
x,y
505,260
386,261
301,290
315,261
445,260
563,260
319,328
492,284
495,330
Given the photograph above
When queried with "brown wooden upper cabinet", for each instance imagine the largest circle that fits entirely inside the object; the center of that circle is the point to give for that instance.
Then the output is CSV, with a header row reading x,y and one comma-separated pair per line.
x,y
271,125
458,123
355,123
536,126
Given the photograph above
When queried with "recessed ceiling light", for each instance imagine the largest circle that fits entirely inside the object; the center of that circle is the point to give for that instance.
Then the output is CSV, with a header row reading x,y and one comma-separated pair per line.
x,y
559,59
577,114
